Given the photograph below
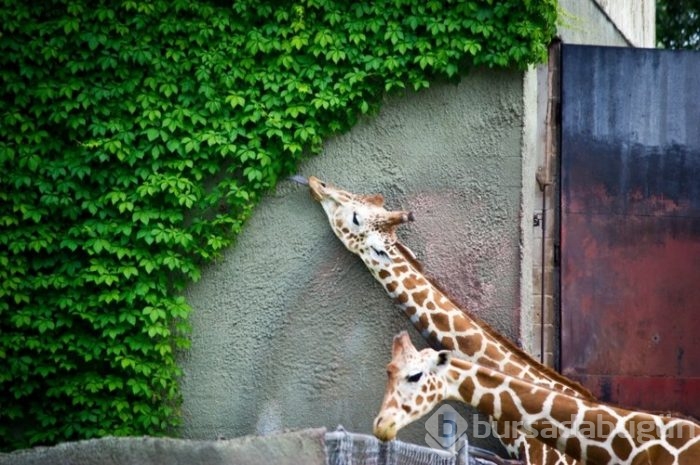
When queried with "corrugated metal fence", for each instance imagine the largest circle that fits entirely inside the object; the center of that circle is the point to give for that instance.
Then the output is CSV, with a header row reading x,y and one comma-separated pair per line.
x,y
344,448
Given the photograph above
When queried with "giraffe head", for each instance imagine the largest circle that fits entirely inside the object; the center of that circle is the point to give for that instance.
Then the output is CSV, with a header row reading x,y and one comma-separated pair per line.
x,y
417,383
361,222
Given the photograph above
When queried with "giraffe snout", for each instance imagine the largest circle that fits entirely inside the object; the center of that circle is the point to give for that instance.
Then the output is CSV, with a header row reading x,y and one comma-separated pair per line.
x,y
385,430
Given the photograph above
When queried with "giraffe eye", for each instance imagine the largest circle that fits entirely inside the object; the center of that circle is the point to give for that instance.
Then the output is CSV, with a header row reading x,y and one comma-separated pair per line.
x,y
354,219
414,378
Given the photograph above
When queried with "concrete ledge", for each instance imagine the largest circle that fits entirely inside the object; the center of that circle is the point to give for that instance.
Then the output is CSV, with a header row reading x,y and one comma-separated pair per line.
x,y
308,447
305,446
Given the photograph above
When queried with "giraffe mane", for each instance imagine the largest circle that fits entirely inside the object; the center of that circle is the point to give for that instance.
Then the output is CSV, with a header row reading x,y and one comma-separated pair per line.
x,y
553,374
408,256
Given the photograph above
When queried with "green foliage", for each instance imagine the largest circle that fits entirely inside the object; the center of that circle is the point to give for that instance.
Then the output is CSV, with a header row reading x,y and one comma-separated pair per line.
x,y
136,138
678,24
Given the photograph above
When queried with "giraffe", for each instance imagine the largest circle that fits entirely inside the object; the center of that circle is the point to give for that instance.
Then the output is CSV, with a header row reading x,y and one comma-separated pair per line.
x,y
589,431
368,230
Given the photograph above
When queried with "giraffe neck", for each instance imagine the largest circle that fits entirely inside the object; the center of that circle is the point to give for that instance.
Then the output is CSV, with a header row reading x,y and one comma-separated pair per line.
x,y
590,432
444,324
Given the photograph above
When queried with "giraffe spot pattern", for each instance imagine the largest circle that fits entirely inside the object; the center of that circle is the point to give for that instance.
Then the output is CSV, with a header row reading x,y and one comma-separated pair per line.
x,y
410,283
622,447
486,403
433,338
563,404
602,419
598,453
399,270
573,446
679,433
419,298
465,345
423,320
507,404
494,353
661,456
448,343
460,324
440,320
489,382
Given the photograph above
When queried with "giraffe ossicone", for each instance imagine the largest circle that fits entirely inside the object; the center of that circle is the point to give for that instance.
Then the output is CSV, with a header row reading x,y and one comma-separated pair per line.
x,y
368,230
591,432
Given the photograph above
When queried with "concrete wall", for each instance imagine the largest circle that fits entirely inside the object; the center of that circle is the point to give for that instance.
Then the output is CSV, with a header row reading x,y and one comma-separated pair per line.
x,y
290,330
634,18
608,22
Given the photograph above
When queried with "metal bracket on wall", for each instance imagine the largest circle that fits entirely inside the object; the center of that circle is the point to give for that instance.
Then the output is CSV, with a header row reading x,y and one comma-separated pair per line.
x,y
537,219
542,177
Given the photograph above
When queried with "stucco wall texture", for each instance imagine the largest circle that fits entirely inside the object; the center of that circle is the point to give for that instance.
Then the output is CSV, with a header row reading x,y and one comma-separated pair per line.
x,y
291,331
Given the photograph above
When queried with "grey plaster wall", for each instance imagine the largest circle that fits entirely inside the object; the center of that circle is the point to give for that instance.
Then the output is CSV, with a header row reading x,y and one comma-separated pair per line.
x,y
291,331
590,22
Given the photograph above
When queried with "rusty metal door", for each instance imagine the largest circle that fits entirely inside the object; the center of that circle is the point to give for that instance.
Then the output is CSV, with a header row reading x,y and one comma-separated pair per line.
x,y
630,225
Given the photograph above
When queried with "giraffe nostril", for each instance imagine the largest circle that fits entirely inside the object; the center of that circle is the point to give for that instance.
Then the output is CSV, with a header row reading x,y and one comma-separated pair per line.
x,y
379,421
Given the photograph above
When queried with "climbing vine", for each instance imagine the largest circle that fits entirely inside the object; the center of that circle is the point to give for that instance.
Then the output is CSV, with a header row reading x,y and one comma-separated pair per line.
x,y
136,138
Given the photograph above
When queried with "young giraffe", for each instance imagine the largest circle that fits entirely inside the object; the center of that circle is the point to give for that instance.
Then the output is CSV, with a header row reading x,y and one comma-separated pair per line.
x,y
591,432
367,229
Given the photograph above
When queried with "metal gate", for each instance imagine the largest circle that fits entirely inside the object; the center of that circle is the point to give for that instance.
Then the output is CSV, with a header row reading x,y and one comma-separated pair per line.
x,y
630,225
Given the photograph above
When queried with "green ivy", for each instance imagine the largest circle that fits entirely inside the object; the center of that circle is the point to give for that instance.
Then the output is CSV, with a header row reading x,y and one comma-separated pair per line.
x,y
136,137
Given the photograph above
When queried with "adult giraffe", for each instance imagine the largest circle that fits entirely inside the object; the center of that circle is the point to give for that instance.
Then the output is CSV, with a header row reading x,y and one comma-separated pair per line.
x,y
589,431
368,230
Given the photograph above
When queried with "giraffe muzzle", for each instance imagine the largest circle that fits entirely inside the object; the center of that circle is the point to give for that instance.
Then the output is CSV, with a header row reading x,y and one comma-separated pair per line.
x,y
385,430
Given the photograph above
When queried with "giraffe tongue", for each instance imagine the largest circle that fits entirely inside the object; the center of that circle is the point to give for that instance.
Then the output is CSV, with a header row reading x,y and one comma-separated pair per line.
x,y
299,179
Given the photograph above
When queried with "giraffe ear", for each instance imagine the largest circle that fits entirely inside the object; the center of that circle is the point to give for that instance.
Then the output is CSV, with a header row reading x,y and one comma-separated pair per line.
x,y
402,342
376,199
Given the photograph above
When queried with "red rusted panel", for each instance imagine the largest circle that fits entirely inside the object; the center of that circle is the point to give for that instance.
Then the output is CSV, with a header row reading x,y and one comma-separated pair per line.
x,y
630,229
657,394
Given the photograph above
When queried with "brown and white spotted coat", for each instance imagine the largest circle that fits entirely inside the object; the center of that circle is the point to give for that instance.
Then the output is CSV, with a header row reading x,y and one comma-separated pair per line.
x,y
368,230
591,432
